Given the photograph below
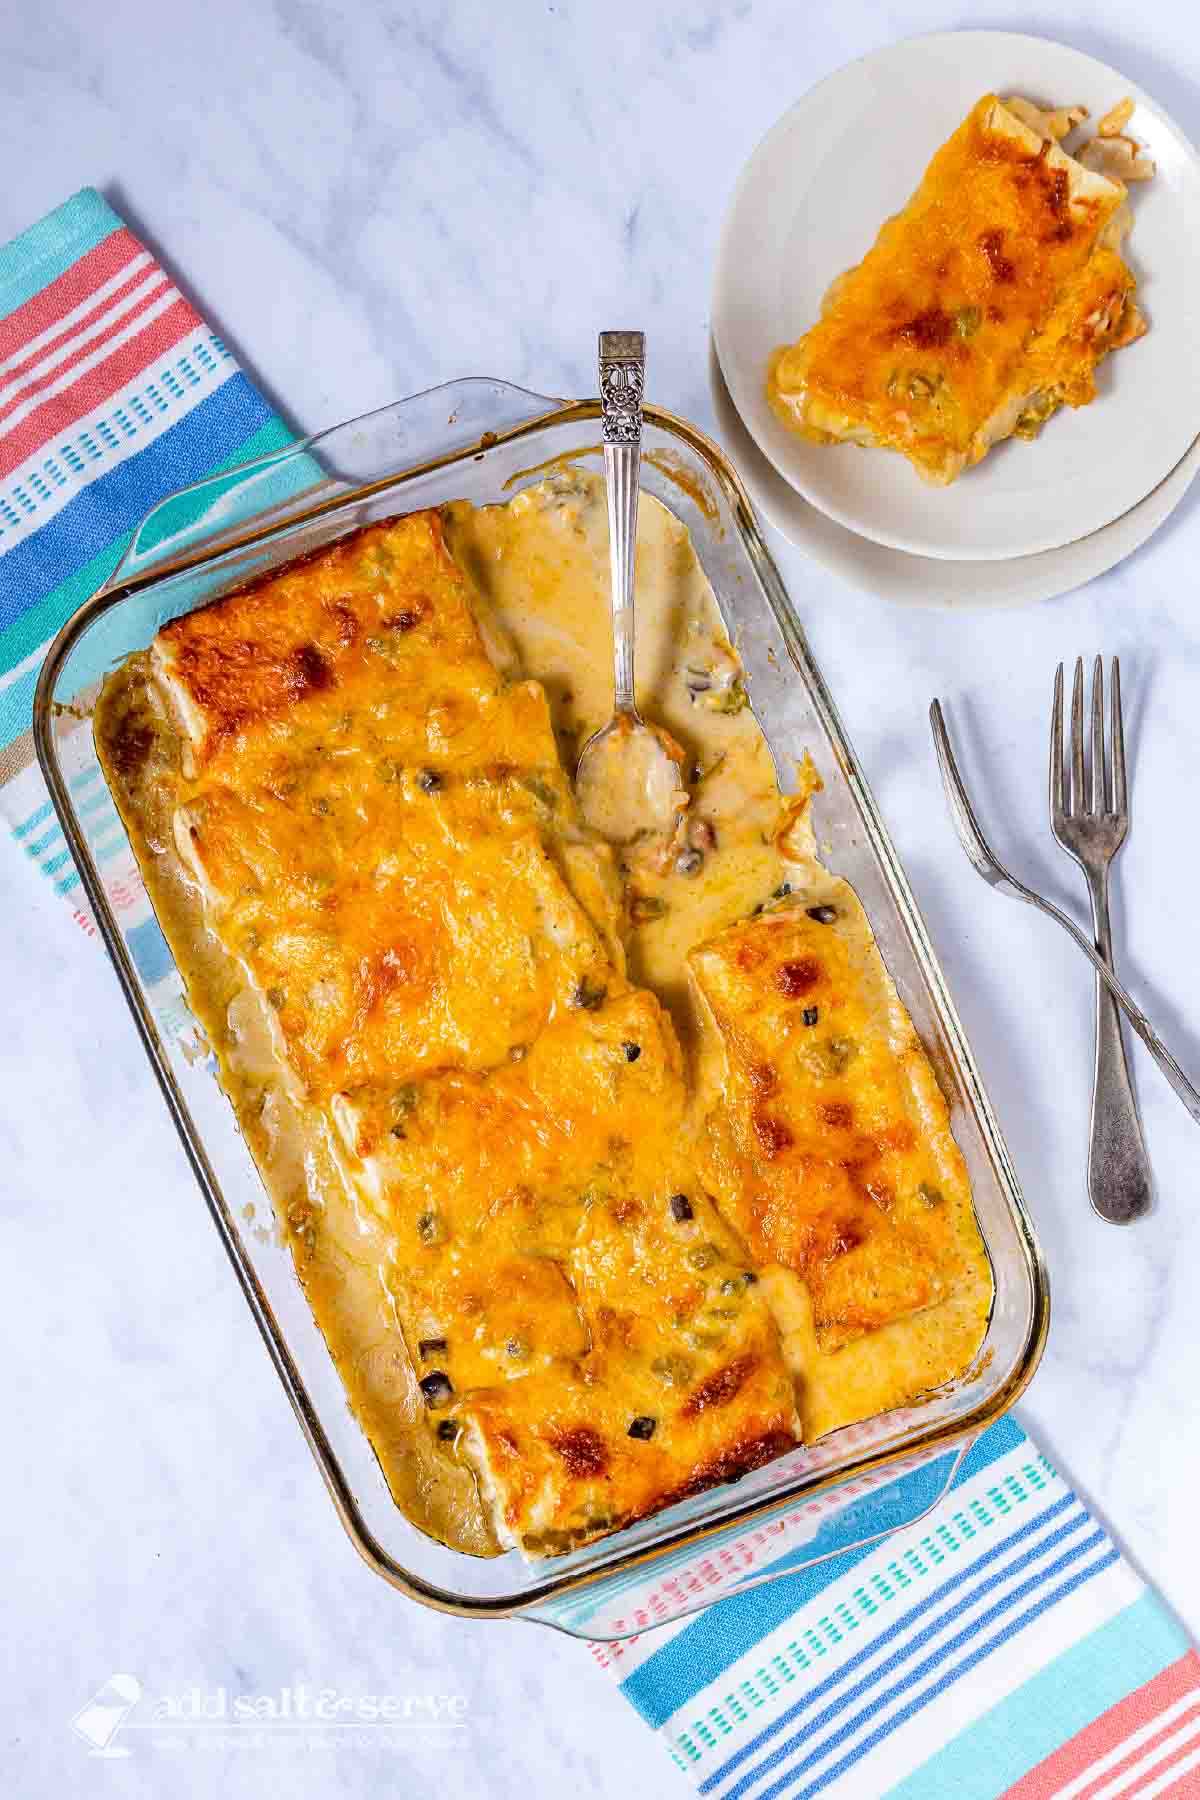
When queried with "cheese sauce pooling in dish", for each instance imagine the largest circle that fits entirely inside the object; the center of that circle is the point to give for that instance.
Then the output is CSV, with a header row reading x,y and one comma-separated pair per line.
x,y
608,1175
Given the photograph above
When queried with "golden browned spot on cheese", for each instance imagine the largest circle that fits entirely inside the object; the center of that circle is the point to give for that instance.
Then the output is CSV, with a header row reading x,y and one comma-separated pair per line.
x,y
719,1389
582,1450
798,976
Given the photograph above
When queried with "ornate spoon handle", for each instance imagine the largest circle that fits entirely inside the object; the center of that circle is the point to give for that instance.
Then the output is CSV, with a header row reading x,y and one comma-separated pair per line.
x,y
622,380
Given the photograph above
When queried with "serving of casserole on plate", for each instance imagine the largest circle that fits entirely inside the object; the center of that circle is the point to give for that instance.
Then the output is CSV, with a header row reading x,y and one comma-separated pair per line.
x,y
984,306
995,213
607,1183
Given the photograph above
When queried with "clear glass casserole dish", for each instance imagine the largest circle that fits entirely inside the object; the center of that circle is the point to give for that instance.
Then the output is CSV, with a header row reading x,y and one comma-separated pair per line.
x,y
482,441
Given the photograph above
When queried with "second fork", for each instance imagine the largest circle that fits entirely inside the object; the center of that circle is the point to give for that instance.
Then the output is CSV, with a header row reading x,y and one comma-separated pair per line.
x,y
1089,815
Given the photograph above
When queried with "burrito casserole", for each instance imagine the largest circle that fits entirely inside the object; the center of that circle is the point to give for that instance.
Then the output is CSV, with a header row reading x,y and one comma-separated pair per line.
x,y
608,1177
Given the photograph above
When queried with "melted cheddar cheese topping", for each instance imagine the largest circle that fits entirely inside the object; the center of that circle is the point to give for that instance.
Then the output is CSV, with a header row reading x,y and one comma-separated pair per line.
x,y
576,1253
981,308
831,1146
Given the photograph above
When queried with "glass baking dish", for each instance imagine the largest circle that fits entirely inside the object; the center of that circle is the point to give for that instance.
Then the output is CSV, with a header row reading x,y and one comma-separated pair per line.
x,y
483,440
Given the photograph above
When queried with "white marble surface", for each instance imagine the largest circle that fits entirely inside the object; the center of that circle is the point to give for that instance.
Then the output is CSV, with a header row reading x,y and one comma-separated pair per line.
x,y
367,200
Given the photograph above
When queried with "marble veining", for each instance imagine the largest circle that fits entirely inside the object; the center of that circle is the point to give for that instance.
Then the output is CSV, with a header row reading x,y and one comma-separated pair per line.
x,y
367,200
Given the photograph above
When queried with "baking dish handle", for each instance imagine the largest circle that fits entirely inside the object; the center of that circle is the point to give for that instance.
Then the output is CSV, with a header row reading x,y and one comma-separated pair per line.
x,y
841,1523
293,475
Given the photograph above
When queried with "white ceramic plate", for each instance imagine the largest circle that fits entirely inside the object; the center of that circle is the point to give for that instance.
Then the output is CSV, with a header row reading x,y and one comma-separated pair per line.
x,y
809,204
921,580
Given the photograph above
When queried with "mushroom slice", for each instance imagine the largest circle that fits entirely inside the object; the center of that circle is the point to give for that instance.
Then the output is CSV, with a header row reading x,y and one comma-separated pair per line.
x,y
1117,157
1055,125
1113,123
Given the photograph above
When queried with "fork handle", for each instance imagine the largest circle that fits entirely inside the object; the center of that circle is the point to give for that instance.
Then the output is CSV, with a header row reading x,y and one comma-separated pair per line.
x,y
1119,1180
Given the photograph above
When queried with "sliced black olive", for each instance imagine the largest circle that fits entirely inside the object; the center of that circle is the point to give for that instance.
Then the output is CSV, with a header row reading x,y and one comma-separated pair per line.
x,y
431,1347
437,1388
782,891
824,915
632,1051
588,994
447,1429
429,1228
429,781
517,1348
642,1427
749,1277
689,862
811,1014
681,1208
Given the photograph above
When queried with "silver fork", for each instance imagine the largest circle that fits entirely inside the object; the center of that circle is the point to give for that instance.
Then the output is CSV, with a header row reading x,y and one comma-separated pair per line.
x,y
989,868
1089,815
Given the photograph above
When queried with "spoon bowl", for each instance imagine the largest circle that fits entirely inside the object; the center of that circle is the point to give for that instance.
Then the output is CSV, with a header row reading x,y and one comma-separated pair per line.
x,y
630,780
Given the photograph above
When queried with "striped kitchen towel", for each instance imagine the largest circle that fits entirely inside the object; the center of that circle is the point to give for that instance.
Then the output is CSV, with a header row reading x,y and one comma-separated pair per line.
x,y
113,394
1000,1646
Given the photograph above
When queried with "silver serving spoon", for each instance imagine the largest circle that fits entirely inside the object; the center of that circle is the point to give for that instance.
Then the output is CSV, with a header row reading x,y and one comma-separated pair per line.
x,y
629,781
987,864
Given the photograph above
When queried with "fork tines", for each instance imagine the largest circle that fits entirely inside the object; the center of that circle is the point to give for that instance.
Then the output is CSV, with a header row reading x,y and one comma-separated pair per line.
x,y
1100,789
